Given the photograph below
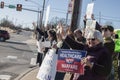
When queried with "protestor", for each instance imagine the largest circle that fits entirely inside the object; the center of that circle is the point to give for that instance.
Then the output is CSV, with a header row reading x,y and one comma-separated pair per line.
x,y
48,50
52,39
98,62
81,40
79,36
39,37
40,53
41,32
117,49
107,32
71,41
60,45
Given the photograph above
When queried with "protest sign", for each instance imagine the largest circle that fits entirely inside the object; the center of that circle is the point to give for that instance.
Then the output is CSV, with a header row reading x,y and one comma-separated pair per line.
x,y
46,43
69,61
47,70
33,61
89,10
47,15
90,26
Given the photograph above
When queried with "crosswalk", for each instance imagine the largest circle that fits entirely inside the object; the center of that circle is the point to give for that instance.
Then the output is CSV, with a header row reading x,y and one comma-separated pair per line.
x,y
5,77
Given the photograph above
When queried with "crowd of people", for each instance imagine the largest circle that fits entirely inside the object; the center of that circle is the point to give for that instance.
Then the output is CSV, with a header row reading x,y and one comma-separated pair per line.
x,y
99,44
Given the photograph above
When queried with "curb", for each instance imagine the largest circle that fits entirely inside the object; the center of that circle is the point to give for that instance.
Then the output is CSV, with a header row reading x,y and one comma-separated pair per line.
x,y
26,72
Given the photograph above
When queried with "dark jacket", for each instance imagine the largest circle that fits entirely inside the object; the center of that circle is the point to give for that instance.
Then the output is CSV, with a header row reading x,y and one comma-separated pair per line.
x,y
102,64
110,45
40,33
70,42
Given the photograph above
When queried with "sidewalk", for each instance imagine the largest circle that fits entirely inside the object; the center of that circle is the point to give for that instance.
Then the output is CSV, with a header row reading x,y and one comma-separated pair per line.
x,y
32,72
29,75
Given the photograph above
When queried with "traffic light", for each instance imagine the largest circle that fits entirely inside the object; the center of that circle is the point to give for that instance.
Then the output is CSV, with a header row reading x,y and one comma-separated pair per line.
x,y
19,7
2,5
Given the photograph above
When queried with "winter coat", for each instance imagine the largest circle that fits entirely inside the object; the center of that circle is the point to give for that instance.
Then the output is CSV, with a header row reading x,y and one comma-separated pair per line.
x,y
110,45
102,63
70,42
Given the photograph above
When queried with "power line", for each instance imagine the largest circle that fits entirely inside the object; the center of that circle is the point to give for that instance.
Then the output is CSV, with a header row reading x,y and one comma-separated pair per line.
x,y
103,17
111,19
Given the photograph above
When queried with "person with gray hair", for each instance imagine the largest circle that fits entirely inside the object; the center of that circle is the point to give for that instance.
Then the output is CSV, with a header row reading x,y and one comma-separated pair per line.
x,y
98,62
95,34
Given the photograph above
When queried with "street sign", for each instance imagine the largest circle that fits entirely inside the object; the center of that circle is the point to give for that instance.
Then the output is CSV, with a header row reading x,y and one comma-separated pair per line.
x,y
11,6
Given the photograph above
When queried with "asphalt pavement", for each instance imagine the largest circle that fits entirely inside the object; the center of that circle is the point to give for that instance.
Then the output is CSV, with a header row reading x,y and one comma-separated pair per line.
x,y
31,73
15,56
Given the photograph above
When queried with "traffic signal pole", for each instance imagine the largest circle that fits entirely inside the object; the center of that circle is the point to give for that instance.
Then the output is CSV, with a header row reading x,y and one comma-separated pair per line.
x,y
31,10
12,6
77,4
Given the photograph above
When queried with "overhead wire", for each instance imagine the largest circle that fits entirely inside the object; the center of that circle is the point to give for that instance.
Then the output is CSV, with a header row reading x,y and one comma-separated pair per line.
x,y
103,17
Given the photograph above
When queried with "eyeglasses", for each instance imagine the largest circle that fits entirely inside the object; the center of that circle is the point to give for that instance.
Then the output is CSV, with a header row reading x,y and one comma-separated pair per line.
x,y
104,29
92,39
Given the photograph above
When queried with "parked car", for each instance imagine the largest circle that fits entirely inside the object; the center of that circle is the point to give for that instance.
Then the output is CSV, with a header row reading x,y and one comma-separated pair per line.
x,y
4,35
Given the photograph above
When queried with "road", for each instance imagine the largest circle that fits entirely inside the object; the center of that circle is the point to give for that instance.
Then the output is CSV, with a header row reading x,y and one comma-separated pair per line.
x,y
16,54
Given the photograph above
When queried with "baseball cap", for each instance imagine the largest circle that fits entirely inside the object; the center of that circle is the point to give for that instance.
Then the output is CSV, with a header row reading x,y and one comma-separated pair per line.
x,y
109,27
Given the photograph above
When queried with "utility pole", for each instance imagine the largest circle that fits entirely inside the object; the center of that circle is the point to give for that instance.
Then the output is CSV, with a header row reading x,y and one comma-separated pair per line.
x,y
42,14
77,4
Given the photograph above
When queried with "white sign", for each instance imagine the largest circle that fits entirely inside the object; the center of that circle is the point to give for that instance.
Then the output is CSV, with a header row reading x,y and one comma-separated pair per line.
x,y
33,61
89,10
46,43
47,15
91,24
47,71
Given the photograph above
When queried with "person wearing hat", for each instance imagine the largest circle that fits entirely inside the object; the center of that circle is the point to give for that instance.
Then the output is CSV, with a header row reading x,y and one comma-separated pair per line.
x,y
107,33
97,63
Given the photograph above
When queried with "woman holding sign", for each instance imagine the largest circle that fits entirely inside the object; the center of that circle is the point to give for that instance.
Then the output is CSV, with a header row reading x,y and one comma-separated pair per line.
x,y
98,62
